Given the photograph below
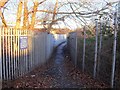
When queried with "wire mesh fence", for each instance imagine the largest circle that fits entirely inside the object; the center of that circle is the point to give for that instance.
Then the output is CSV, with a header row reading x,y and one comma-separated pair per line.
x,y
98,54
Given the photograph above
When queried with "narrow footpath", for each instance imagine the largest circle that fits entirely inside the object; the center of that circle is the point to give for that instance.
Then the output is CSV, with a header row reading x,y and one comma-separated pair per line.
x,y
57,73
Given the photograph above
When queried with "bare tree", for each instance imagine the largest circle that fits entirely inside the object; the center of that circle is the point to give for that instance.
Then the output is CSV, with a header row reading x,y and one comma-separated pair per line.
x,y
34,14
25,20
19,14
36,4
2,4
54,14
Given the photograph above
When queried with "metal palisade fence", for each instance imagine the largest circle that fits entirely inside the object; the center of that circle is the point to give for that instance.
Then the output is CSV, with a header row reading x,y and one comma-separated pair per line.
x,y
22,50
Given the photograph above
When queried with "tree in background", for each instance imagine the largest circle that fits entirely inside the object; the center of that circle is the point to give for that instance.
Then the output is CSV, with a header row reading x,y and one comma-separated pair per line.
x,y
19,14
2,4
79,11
25,20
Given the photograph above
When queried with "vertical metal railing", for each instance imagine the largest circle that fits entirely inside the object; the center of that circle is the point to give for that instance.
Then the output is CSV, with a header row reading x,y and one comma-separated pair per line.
x,y
96,50
11,49
14,61
84,44
0,60
100,47
114,50
76,49
8,52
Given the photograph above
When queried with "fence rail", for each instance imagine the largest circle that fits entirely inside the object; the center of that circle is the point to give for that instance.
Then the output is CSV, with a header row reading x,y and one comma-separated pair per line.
x,y
22,50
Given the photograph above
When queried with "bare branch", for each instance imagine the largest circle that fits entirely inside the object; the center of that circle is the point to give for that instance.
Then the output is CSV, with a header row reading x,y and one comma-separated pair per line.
x,y
36,4
3,19
2,3
80,13
54,14
19,14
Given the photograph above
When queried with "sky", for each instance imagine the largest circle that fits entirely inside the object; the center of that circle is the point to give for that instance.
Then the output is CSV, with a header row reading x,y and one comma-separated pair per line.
x,y
10,12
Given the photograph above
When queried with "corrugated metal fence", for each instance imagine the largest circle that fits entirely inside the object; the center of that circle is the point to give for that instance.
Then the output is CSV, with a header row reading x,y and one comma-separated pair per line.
x,y
22,50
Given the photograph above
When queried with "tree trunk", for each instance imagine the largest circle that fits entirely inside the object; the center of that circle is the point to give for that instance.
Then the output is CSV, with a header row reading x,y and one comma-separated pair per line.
x,y
25,20
2,4
54,14
19,14
34,14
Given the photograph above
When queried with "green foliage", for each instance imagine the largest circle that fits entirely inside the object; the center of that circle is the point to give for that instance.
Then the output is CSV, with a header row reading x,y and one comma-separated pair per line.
x,y
106,56
88,32
107,30
90,40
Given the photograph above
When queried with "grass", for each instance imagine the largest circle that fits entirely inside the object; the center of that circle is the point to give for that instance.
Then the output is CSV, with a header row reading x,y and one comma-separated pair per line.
x,y
89,57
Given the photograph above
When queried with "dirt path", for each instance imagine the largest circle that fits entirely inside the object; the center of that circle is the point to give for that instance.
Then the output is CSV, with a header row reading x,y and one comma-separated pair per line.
x,y
57,73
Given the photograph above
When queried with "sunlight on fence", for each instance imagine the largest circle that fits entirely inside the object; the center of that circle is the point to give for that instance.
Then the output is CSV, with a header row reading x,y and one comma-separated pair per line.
x,y
22,50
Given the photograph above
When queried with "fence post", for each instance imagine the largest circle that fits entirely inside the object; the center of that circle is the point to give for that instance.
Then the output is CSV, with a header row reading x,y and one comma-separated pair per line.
x,y
6,57
33,50
83,63
114,49
96,49
99,52
0,61
76,50
46,47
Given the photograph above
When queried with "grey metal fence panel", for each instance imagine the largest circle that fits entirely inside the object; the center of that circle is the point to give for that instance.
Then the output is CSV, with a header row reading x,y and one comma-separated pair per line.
x,y
15,61
73,47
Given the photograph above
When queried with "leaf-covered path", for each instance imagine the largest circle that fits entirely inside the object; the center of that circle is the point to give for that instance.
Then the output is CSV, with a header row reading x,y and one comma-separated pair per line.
x,y
57,73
